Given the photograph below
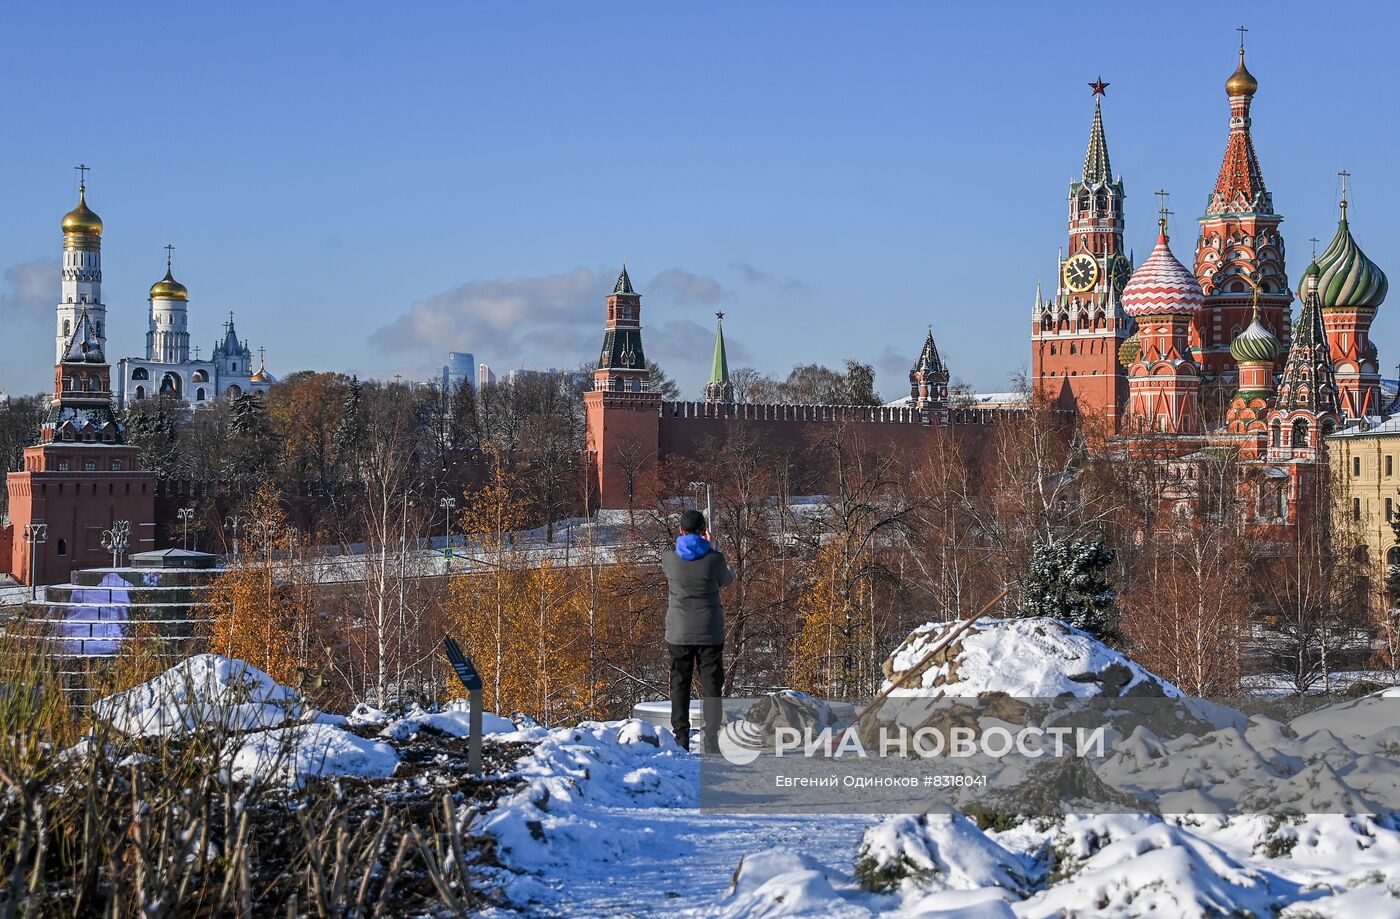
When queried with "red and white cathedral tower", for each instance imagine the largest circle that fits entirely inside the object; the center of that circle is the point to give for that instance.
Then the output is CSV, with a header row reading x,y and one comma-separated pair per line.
x,y
1350,288
1164,383
1076,335
1240,249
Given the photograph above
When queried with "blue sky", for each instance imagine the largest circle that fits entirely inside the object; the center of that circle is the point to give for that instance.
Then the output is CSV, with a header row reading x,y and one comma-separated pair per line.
x,y
370,186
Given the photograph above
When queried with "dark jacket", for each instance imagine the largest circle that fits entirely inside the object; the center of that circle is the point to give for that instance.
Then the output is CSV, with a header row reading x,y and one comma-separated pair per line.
x,y
694,576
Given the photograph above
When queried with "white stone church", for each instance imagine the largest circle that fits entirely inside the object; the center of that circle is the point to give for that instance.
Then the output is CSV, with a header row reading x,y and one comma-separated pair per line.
x,y
167,368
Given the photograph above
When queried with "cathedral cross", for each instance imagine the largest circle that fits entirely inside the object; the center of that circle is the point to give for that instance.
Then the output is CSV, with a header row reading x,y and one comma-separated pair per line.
x,y
1241,30
83,169
1162,209
169,254
1314,240
1344,176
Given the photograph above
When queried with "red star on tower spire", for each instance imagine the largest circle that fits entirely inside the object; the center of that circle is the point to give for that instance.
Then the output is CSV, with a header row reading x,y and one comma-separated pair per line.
x,y
1099,86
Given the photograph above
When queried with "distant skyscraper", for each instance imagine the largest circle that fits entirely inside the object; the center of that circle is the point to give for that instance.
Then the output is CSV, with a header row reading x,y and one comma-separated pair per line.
x,y
484,376
461,367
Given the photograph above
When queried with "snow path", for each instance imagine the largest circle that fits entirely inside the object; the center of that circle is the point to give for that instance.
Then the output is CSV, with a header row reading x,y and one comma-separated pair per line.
x,y
691,879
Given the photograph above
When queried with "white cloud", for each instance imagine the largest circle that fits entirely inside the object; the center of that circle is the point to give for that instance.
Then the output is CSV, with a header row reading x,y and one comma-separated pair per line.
x,y
894,363
31,288
502,318
680,286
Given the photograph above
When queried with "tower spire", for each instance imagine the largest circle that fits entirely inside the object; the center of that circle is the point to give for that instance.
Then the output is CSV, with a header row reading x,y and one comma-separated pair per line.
x,y
719,389
1096,165
624,283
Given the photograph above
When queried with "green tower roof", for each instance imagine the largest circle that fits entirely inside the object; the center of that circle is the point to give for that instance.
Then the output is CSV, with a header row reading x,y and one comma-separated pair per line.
x,y
719,367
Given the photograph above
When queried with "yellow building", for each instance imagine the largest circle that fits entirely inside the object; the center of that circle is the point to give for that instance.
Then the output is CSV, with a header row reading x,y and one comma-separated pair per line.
x,y
1366,469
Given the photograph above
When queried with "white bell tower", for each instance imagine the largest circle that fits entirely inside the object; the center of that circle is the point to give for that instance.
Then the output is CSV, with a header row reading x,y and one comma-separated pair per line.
x,y
82,273
168,338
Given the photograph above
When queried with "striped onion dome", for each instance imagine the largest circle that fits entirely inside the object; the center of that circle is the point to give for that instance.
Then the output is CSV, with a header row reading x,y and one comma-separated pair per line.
x,y
1129,350
1255,345
1162,285
1349,279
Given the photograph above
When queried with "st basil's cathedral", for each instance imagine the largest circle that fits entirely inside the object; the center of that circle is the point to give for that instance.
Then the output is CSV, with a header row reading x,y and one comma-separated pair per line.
x,y
1170,361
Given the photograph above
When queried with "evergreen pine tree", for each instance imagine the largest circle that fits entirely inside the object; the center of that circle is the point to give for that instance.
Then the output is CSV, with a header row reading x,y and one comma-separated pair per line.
x,y
349,432
1068,580
151,426
248,416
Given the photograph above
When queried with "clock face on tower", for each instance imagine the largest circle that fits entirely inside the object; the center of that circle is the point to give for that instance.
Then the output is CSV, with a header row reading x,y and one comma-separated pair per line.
x,y
1119,271
1081,272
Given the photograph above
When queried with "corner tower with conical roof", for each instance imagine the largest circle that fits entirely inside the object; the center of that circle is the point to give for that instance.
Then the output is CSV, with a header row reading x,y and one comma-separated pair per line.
x,y
1075,336
622,410
1350,288
1239,249
82,272
928,384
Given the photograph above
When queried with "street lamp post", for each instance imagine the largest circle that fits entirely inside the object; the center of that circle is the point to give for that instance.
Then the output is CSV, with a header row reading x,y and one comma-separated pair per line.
x,y
448,504
231,522
186,513
36,534
117,539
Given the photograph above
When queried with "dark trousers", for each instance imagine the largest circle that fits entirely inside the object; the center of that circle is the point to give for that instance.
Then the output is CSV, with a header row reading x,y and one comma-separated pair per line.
x,y
683,661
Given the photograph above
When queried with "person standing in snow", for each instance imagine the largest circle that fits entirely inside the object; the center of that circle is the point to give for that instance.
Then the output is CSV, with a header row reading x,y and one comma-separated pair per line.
x,y
695,574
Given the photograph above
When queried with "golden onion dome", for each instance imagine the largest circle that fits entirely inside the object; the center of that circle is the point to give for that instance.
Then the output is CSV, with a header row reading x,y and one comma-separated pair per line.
x,y
81,220
1241,82
260,376
1129,350
167,288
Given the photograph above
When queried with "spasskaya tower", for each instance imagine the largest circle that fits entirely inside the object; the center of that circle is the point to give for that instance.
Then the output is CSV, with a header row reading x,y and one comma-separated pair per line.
x,y
1075,336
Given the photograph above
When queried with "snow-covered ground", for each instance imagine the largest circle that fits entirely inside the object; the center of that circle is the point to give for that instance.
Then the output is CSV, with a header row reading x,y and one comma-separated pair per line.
x,y
603,818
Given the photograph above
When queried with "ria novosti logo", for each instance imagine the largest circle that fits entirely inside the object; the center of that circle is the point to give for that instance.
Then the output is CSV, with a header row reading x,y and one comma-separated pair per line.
x,y
742,742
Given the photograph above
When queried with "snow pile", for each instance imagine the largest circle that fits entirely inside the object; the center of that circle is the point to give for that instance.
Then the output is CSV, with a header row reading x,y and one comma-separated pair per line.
x,y
780,882
936,852
205,691
455,721
1025,658
1162,870
365,715
291,755
561,816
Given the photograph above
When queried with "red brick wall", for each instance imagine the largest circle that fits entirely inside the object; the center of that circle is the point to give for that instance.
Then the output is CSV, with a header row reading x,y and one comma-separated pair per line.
x,y
77,506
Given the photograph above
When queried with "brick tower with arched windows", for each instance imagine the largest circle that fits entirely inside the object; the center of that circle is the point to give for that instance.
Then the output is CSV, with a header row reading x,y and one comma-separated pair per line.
x,y
1076,335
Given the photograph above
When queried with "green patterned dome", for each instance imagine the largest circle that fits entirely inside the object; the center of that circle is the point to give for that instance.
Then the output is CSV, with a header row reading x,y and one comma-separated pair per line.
x,y
1129,350
1348,278
1255,345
